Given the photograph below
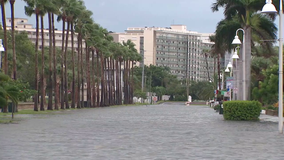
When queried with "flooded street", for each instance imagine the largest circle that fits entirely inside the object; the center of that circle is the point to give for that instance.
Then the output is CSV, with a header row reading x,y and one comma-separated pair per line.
x,y
158,132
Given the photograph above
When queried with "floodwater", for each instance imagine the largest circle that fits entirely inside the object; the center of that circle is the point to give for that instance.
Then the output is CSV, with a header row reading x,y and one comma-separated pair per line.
x,y
170,131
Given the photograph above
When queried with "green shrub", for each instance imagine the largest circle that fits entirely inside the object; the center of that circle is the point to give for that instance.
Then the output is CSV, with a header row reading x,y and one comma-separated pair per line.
x,y
241,110
272,107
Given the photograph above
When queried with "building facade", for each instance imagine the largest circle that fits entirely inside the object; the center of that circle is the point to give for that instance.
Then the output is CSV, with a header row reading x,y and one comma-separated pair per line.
x,y
21,24
174,47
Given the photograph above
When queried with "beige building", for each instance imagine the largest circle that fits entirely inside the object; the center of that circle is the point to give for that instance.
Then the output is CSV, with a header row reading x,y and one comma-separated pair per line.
x,y
21,24
174,47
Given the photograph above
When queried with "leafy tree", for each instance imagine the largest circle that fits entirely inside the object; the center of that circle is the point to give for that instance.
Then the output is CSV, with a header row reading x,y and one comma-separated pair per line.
x,y
8,91
244,14
267,91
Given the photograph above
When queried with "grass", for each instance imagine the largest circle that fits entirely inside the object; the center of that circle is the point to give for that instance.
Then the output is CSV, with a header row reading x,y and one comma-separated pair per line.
x,y
6,118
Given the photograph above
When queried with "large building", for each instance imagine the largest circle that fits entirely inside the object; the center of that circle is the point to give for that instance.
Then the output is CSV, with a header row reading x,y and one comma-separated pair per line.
x,y
21,24
174,47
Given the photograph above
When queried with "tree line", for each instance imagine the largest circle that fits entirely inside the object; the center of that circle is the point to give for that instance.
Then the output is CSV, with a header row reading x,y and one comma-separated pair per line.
x,y
95,60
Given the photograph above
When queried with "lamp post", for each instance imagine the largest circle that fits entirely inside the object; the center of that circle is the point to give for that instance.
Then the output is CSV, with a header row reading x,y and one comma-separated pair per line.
x,y
270,8
237,41
1,50
234,56
229,70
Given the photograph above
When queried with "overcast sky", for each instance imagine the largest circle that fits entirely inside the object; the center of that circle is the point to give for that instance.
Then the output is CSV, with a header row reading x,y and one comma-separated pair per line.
x,y
117,15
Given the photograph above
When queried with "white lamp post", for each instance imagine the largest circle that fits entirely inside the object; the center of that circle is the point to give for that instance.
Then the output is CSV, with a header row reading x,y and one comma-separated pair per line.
x,y
235,56
1,50
230,70
270,8
237,41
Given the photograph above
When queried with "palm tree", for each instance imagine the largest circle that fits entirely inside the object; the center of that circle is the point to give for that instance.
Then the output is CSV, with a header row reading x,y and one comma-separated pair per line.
x,y
206,51
42,101
244,14
74,9
2,2
82,19
62,16
33,8
56,89
50,8
7,91
12,2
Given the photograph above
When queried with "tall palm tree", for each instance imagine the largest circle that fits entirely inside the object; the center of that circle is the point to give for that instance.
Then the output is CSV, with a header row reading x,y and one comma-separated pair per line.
x,y
56,89
206,51
244,13
50,8
62,16
74,8
12,2
33,7
81,21
5,66
42,101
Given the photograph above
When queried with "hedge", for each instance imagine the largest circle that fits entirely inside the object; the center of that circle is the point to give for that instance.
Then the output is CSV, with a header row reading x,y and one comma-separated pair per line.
x,y
241,110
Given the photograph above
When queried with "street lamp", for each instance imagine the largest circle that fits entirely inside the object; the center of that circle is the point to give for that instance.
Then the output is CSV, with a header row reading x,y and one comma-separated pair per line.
x,y
228,70
235,55
236,85
270,8
1,50
229,65
237,41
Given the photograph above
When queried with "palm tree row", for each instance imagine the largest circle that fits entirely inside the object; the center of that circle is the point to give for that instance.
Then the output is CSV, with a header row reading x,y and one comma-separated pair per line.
x,y
258,27
95,64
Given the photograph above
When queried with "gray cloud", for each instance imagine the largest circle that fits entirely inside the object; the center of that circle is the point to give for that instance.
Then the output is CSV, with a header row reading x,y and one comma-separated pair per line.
x,y
117,15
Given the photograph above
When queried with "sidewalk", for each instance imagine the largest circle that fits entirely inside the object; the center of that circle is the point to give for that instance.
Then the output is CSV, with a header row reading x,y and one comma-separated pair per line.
x,y
268,118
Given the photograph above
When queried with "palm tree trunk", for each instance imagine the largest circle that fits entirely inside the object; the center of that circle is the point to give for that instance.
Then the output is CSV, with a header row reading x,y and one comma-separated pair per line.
x,y
132,83
120,84
36,64
88,77
248,61
56,94
62,65
73,67
102,82
12,2
113,83
50,96
219,72
78,71
42,102
82,75
65,69
5,66
93,79
117,83
98,84
108,91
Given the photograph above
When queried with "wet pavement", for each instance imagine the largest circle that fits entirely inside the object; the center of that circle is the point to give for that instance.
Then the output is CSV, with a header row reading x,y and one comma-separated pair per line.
x,y
170,131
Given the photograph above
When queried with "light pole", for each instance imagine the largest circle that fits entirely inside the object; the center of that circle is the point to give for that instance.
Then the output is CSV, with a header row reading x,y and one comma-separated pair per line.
x,y
2,49
236,57
237,41
270,8
228,70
